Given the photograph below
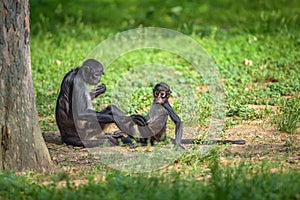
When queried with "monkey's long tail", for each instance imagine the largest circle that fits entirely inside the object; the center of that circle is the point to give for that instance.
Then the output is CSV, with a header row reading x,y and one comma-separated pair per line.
x,y
209,142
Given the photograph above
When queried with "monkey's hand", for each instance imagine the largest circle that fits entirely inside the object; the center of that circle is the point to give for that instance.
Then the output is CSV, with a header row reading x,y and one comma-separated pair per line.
x,y
100,89
139,120
179,147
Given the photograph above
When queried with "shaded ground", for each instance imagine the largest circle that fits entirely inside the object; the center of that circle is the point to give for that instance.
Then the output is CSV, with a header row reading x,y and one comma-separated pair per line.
x,y
262,142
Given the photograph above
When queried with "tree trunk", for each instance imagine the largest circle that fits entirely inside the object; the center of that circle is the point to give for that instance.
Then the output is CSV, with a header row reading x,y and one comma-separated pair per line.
x,y
21,142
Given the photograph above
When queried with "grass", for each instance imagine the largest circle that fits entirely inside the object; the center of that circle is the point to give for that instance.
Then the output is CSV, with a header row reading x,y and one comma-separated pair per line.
x,y
266,34
218,182
255,45
287,119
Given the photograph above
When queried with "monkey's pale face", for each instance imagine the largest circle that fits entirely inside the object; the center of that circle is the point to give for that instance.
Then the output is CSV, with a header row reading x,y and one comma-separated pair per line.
x,y
161,93
160,96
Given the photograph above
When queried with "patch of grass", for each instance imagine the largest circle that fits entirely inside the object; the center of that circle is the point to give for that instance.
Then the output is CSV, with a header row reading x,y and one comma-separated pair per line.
x,y
245,181
247,113
264,33
288,117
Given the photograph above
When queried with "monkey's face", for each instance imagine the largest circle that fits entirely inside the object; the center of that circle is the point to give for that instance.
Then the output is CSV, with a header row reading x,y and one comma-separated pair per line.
x,y
161,93
92,75
160,96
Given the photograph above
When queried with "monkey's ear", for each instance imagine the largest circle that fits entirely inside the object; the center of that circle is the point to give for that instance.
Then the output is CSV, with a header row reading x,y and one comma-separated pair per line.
x,y
86,70
169,93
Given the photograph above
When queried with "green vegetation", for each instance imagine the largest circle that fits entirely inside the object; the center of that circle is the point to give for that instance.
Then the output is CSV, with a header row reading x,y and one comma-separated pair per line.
x,y
234,182
255,45
288,117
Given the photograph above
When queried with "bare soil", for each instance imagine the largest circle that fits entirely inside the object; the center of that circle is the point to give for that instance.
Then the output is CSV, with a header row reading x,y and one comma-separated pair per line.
x,y
262,142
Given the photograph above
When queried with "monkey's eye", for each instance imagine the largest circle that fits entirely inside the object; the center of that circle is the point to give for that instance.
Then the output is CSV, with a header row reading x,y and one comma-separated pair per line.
x,y
161,94
97,75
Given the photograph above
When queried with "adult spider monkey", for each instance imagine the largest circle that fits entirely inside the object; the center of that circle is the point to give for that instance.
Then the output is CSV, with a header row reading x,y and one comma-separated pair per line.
x,y
156,121
79,124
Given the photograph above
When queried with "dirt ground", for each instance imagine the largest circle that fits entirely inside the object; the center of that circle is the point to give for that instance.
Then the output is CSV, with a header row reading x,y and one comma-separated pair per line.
x,y
262,142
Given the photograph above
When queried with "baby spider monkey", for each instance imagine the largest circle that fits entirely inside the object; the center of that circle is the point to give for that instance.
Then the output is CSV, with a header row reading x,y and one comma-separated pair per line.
x,y
156,120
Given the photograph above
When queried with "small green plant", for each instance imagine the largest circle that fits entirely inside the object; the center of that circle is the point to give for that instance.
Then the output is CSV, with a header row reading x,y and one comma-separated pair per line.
x,y
290,143
288,117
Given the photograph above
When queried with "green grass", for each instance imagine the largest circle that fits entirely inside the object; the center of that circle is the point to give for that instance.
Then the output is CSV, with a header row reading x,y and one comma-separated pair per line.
x,y
288,117
267,33
246,181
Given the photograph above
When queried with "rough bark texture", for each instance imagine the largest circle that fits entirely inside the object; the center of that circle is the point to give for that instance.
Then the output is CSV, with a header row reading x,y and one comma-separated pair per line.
x,y
21,142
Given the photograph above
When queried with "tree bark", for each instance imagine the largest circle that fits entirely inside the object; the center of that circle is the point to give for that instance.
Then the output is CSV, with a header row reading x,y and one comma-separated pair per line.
x,y
21,142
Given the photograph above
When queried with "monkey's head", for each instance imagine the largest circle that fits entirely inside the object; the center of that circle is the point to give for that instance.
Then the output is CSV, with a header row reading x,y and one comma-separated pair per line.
x,y
161,93
91,71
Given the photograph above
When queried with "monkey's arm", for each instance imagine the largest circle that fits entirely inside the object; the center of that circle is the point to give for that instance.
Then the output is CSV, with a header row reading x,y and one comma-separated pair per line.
x,y
139,120
83,107
100,89
179,125
102,117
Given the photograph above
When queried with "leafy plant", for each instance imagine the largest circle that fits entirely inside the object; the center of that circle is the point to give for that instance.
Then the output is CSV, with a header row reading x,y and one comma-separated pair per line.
x,y
288,117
